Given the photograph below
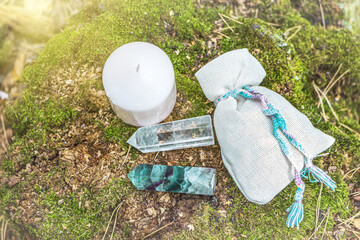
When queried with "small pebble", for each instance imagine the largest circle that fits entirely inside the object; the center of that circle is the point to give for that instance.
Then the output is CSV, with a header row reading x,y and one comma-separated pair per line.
x,y
4,95
190,227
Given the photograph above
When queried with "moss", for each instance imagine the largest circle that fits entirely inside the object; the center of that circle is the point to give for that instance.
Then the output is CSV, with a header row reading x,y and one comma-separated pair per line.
x,y
322,51
182,30
8,195
27,114
209,225
284,69
78,217
247,220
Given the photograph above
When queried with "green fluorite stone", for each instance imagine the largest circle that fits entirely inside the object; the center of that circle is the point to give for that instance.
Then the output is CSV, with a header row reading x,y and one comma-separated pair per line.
x,y
193,180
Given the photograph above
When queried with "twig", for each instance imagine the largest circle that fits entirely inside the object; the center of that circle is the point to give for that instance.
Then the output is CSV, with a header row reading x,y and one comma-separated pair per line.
x,y
222,34
273,24
127,155
349,220
355,193
333,78
5,228
318,207
351,171
338,129
230,18
292,28
327,219
115,210
327,90
328,102
356,233
350,129
1,234
321,103
322,15
297,30
4,129
156,156
221,16
223,28
256,13
319,224
157,230
1,230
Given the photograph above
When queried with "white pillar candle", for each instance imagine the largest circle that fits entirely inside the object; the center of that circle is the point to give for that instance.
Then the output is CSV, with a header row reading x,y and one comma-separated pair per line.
x,y
139,80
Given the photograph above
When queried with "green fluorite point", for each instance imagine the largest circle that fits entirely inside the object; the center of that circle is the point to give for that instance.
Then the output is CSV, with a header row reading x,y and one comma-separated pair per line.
x,y
193,180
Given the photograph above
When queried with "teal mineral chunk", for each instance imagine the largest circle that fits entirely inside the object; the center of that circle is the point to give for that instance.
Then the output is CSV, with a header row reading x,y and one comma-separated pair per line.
x,y
193,180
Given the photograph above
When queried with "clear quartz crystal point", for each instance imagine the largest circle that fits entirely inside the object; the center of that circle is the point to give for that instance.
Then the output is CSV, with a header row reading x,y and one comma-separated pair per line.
x,y
191,132
192,180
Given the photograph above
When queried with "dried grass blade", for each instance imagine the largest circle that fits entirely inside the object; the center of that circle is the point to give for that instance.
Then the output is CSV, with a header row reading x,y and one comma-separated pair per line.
x,y
221,16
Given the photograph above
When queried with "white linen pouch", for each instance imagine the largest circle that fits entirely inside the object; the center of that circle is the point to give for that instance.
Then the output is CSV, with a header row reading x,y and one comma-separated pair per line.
x,y
260,163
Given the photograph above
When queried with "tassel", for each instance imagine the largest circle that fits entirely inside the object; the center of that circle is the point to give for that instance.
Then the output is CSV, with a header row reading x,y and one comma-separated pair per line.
x,y
296,210
311,172
315,174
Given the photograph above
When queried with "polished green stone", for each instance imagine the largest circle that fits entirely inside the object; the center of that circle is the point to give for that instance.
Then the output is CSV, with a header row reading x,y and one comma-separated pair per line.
x,y
193,180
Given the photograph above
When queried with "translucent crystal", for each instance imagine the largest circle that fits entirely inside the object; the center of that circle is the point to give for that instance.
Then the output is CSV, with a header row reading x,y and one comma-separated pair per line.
x,y
191,132
192,180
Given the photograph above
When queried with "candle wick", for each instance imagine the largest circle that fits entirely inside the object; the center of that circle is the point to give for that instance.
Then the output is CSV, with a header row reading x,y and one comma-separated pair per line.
x,y
138,67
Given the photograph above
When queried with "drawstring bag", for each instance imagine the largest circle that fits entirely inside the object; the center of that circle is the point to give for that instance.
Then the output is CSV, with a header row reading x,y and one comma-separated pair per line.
x,y
265,141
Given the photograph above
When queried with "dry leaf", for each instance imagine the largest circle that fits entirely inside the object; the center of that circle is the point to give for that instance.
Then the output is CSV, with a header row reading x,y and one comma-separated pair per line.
x,y
357,223
13,180
165,198
151,211
162,210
